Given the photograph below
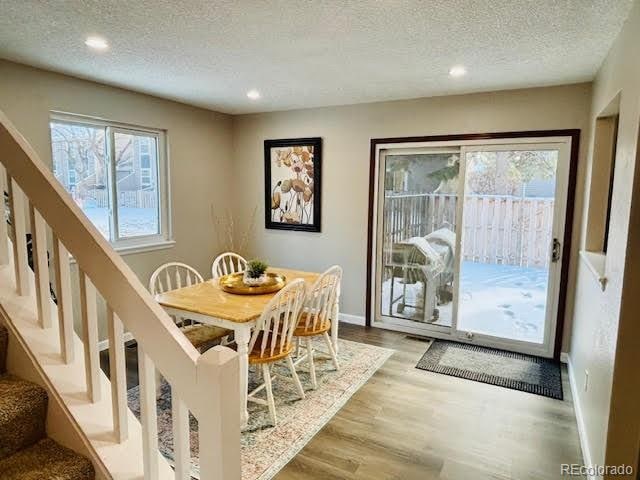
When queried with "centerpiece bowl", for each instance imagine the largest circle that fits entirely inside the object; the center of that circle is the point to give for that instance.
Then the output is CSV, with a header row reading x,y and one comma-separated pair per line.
x,y
234,283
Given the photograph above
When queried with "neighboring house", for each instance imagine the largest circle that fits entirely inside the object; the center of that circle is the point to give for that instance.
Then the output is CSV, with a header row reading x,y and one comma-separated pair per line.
x,y
135,169
539,188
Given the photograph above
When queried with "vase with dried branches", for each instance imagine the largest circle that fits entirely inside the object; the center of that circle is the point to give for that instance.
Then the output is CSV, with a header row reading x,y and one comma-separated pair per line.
x,y
228,230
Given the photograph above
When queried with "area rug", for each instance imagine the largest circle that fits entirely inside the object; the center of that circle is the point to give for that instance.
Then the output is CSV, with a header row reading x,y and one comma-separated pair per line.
x,y
517,371
265,449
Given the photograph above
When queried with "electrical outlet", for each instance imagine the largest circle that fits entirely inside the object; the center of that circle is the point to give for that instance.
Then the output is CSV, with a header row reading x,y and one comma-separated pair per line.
x,y
586,380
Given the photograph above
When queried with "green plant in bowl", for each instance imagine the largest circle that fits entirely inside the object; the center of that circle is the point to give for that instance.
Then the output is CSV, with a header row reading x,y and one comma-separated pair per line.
x,y
255,272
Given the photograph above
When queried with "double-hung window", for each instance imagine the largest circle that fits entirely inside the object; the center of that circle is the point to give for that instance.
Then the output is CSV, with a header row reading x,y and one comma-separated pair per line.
x,y
117,174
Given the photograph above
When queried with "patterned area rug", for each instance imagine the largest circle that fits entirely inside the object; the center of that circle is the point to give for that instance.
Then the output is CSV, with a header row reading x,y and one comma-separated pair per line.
x,y
497,367
265,449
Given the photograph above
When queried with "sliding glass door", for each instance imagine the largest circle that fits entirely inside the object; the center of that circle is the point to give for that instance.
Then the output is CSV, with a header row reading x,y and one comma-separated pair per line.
x,y
468,241
512,222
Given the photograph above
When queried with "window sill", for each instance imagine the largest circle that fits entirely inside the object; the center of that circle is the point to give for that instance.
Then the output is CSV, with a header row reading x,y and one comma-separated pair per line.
x,y
595,262
147,247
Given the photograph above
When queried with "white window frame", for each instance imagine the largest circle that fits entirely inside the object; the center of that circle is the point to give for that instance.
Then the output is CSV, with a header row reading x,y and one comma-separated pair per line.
x,y
163,239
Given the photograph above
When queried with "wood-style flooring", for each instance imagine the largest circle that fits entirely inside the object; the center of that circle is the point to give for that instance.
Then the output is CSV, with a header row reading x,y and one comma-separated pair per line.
x,y
410,424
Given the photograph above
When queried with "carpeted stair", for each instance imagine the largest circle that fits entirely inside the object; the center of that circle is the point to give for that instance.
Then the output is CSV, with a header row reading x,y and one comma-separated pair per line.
x,y
25,451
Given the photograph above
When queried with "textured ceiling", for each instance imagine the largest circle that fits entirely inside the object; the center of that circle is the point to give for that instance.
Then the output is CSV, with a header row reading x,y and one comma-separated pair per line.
x,y
313,53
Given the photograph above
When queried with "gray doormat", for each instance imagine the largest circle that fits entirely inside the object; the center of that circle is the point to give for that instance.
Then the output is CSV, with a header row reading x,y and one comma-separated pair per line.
x,y
517,371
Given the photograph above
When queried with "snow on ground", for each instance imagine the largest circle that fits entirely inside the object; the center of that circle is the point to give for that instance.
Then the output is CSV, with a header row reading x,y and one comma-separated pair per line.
x,y
503,300
132,222
499,300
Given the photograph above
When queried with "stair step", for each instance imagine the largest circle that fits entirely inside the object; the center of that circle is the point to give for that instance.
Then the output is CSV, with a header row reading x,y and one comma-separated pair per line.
x,y
46,460
4,341
23,411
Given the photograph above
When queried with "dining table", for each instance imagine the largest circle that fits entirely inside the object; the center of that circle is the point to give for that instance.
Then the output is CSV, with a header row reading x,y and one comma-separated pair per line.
x,y
208,303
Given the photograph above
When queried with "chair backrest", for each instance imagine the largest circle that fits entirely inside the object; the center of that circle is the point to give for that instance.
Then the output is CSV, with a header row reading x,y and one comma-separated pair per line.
x,y
173,275
321,298
275,327
227,263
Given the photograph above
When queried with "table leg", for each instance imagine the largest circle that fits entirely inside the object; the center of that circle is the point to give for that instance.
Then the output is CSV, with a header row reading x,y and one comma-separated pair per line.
x,y
335,322
242,337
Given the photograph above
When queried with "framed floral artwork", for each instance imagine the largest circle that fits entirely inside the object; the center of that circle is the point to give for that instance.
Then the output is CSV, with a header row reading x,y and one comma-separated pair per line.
x,y
292,183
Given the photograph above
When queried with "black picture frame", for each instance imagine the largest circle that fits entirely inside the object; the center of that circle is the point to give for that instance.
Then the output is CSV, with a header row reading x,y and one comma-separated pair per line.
x,y
269,189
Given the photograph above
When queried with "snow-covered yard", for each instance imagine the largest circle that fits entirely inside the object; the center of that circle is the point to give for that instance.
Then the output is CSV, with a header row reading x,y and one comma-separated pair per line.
x,y
499,300
503,301
132,222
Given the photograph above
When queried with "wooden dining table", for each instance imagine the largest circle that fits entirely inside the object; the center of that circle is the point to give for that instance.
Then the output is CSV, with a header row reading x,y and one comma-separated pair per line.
x,y
207,303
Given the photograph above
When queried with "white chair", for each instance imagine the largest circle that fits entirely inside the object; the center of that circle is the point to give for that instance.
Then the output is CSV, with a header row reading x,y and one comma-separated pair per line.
x,y
271,340
227,263
172,276
315,318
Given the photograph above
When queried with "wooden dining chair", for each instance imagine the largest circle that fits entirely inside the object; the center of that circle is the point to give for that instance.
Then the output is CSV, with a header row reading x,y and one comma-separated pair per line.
x,y
271,340
227,263
174,275
315,319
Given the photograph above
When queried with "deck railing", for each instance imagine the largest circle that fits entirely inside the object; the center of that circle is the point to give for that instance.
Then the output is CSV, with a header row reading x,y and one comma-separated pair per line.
x,y
498,229
207,384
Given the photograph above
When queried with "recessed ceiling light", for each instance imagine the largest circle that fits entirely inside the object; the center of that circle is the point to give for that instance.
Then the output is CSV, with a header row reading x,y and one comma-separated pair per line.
x,y
96,43
253,94
457,71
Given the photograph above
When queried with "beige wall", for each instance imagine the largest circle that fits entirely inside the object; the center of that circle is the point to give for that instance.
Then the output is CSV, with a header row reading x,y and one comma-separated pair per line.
x,y
346,132
199,143
597,324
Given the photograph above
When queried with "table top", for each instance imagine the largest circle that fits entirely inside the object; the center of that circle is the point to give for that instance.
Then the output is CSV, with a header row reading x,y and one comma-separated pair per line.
x,y
209,299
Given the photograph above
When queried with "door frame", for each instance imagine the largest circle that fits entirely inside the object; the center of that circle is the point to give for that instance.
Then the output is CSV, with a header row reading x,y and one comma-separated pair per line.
x,y
574,134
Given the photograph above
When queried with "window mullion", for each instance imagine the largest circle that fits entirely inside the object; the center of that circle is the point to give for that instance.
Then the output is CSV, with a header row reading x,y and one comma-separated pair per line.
x,y
113,191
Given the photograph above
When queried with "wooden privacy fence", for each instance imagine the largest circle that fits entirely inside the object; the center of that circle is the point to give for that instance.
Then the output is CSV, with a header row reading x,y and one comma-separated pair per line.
x,y
129,198
498,229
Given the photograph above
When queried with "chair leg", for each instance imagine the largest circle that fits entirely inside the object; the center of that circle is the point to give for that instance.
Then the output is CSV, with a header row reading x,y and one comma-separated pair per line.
x,y
312,367
296,379
332,352
266,373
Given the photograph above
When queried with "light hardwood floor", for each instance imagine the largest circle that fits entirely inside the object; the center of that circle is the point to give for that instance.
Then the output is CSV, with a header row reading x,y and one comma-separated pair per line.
x,y
410,424
407,424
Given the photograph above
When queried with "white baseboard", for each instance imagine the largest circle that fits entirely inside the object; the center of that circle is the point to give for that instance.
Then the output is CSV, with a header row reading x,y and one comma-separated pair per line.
x,y
582,431
564,357
353,319
104,344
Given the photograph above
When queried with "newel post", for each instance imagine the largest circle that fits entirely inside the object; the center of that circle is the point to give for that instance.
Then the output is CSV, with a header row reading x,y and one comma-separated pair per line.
x,y
218,417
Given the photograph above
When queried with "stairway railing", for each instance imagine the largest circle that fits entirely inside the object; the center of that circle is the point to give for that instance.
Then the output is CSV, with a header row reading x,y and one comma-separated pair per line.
x,y
206,385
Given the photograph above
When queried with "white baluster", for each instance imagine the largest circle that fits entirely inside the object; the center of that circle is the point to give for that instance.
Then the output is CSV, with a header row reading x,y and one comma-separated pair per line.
x,y
148,415
181,437
63,294
41,267
117,373
219,422
17,206
88,308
